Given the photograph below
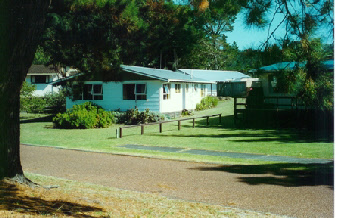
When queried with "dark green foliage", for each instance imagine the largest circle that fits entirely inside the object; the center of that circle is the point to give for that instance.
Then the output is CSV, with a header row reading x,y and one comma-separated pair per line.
x,y
28,102
206,103
56,102
50,103
33,104
84,116
186,112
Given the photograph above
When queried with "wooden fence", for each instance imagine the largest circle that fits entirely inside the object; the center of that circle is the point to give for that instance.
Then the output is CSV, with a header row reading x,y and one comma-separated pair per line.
x,y
119,131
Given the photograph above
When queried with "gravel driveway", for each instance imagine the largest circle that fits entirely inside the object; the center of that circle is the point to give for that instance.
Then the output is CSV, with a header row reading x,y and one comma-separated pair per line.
x,y
255,188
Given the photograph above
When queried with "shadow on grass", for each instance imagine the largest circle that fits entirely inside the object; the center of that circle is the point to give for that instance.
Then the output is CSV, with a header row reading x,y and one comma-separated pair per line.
x,y
14,199
285,174
244,133
47,118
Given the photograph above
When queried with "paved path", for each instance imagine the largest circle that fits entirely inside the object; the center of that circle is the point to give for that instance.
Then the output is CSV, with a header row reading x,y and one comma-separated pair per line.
x,y
284,159
268,188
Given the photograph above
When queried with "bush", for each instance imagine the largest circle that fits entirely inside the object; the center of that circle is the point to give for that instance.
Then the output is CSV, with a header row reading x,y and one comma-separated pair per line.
x,y
33,104
84,116
186,112
28,102
133,117
56,102
206,103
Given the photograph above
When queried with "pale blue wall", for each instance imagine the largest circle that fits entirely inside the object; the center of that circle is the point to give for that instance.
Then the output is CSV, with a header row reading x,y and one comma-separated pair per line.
x,y
113,97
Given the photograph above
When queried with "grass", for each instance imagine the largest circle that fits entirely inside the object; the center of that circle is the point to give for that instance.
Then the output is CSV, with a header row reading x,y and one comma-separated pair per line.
x,y
75,199
217,137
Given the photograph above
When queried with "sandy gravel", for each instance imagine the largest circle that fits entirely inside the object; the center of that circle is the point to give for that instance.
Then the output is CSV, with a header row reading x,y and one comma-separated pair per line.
x,y
209,183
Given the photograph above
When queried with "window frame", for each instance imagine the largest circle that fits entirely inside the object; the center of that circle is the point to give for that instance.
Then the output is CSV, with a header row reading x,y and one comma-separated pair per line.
x,y
166,94
34,79
91,95
203,90
137,95
178,88
187,87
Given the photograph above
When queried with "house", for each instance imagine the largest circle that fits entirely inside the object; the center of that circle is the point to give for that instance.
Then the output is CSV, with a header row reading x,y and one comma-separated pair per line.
x,y
228,82
270,76
159,90
41,76
271,80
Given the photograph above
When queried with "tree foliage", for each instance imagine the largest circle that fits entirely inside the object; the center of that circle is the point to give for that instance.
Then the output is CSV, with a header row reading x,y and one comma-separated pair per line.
x,y
302,18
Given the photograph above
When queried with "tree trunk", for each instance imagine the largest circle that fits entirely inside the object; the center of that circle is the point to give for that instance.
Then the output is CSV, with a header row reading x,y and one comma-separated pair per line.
x,y
21,26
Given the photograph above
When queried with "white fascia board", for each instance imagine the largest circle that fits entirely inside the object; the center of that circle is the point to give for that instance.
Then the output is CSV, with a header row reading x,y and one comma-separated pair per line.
x,y
189,81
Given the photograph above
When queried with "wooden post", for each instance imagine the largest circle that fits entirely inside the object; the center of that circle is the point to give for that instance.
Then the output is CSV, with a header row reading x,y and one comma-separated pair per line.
x,y
179,125
235,110
160,127
120,132
193,122
220,118
207,120
142,129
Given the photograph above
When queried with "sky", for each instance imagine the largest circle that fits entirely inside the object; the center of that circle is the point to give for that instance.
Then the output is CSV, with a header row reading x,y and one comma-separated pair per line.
x,y
250,37
253,38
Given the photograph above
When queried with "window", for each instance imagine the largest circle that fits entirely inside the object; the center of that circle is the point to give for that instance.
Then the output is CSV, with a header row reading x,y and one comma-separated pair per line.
x,y
40,79
186,88
203,90
134,91
195,87
140,91
97,92
178,88
272,82
166,91
88,92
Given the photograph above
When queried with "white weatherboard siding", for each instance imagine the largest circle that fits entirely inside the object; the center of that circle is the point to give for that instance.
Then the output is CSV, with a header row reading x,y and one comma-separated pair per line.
x,y
186,99
174,103
113,97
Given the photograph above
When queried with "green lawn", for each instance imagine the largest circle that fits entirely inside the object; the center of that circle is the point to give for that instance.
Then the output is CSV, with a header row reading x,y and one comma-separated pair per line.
x,y
217,137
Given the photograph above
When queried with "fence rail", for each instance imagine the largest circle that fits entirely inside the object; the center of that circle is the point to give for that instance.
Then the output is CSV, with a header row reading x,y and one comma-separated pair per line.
x,y
119,131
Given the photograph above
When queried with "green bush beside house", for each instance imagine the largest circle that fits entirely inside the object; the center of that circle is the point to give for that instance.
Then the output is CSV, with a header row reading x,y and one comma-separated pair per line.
x,y
207,103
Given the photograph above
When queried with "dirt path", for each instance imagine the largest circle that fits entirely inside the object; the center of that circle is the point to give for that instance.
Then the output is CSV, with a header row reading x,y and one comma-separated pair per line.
x,y
225,185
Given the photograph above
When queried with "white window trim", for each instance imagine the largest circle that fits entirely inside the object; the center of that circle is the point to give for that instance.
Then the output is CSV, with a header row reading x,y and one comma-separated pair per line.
x,y
167,94
92,92
178,88
135,91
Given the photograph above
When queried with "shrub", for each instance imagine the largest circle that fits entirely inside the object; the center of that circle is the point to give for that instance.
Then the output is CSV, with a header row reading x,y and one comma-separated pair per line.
x,y
56,102
84,116
28,102
34,104
206,103
186,112
134,116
